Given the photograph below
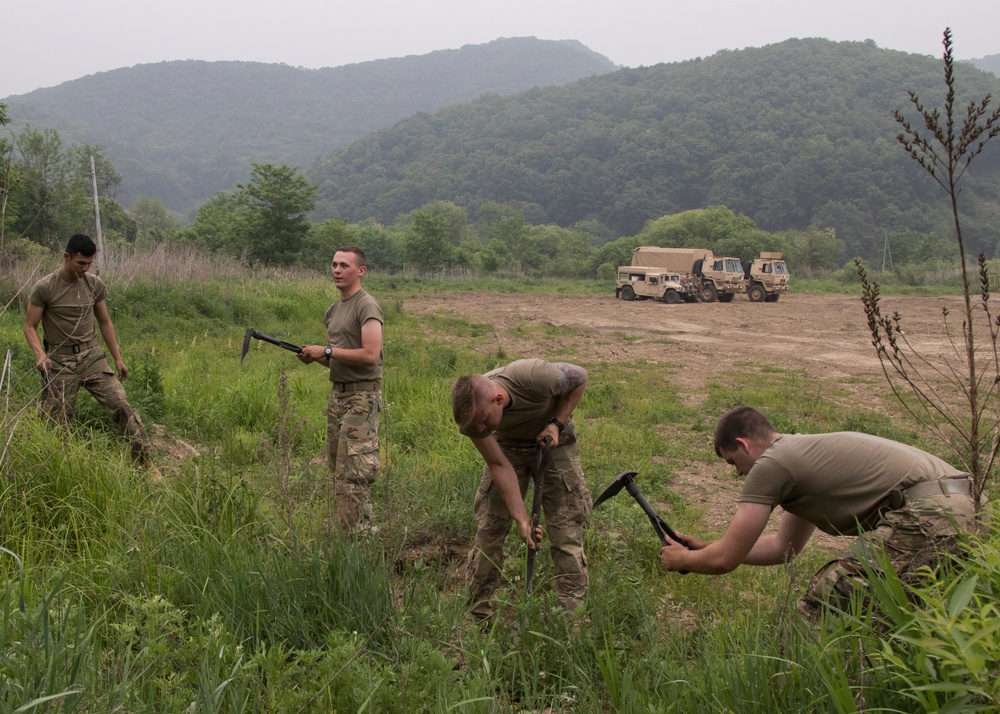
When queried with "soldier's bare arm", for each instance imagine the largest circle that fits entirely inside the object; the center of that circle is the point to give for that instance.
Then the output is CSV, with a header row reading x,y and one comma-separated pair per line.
x,y
107,330
31,320
572,383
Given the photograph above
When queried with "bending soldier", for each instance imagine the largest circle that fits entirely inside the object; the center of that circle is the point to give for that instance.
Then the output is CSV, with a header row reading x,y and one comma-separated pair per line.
x,y
507,413
893,497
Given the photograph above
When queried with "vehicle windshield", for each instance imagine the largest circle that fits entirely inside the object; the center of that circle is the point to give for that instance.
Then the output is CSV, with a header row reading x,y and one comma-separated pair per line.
x,y
780,269
733,266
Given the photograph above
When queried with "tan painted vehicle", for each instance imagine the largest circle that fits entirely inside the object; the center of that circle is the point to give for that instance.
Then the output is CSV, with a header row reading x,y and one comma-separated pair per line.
x,y
638,282
767,277
702,275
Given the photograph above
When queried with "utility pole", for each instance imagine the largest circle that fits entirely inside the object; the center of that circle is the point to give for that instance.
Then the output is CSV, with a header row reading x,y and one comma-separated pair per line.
x,y
97,217
886,252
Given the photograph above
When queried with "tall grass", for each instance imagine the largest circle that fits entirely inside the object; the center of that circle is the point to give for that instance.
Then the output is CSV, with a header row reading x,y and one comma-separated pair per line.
x,y
223,590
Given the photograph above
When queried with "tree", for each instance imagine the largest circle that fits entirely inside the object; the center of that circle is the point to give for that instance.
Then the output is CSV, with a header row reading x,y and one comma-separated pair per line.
x,y
816,249
426,245
716,228
218,226
382,248
945,147
456,220
153,223
109,181
573,255
43,191
8,177
274,205
324,239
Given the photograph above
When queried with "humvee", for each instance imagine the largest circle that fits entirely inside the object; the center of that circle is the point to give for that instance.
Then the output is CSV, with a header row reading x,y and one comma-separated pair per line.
x,y
637,282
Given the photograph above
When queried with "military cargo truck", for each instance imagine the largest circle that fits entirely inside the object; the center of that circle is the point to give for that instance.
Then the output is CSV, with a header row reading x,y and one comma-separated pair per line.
x,y
638,282
702,275
767,277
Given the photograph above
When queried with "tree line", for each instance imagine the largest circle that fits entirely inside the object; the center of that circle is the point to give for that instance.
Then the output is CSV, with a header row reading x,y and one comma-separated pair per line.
x,y
270,219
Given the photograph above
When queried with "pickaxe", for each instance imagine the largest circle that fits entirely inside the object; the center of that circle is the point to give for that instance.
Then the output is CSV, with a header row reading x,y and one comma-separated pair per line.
x,y
536,506
259,336
626,480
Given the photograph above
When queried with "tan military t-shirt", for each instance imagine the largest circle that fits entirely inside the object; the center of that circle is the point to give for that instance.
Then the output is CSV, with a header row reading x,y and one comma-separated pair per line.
x,y
835,480
68,308
533,386
343,322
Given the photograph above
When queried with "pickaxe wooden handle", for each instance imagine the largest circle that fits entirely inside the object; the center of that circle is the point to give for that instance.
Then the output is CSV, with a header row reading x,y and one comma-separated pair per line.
x,y
536,507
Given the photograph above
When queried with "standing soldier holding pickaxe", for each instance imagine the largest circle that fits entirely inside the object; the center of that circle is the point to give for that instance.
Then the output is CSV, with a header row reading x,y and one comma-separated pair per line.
x,y
519,419
353,354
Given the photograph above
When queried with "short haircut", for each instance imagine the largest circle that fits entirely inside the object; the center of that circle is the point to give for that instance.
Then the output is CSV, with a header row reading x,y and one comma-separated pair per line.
x,y
81,244
463,401
467,394
360,259
742,423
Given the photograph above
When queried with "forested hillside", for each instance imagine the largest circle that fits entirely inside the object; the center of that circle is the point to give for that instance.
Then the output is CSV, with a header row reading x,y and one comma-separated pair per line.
x,y
795,134
989,63
181,131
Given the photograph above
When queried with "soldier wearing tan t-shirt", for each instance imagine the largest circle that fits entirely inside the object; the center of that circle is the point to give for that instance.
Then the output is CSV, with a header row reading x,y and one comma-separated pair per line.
x,y
893,497
507,413
67,304
353,354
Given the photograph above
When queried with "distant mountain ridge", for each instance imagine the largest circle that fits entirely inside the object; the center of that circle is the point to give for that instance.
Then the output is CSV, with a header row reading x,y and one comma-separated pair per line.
x,y
795,134
989,63
182,131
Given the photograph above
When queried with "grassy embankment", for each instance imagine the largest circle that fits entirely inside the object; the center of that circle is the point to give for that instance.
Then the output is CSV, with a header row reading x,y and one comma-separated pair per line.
x,y
221,591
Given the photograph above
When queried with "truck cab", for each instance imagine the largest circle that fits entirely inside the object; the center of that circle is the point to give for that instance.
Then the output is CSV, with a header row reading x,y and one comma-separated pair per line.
x,y
767,277
723,278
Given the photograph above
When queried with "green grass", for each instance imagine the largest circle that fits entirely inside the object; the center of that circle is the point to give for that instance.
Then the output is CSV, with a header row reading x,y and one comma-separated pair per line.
x,y
222,591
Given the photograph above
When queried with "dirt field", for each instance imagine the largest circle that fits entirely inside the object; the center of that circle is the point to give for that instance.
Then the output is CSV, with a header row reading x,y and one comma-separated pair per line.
x,y
824,336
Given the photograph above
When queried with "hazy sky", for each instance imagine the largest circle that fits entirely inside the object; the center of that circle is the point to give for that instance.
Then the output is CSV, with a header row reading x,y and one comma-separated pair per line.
x,y
47,42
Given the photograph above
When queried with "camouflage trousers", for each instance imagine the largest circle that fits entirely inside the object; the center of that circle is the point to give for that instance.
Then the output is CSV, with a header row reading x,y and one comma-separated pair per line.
x,y
566,503
352,444
90,370
917,534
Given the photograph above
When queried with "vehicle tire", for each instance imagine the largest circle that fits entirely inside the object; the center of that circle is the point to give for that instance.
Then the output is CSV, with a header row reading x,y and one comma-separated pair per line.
x,y
628,293
671,297
708,293
756,293
772,298
727,297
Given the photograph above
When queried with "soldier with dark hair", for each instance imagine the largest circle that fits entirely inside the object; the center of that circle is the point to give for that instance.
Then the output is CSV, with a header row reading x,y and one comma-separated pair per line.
x,y
70,305
894,498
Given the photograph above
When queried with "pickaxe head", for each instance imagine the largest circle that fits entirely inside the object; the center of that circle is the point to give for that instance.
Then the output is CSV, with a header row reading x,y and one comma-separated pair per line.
x,y
246,343
621,481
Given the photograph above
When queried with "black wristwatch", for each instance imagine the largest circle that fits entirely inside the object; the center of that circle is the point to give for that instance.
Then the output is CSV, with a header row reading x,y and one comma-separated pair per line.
x,y
559,425
328,352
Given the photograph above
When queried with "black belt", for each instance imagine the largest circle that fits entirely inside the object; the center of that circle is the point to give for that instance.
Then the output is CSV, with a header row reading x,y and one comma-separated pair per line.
x,y
68,349
953,484
355,386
